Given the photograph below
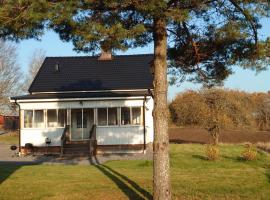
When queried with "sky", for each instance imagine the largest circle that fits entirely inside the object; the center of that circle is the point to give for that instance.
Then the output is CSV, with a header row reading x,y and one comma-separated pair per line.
x,y
245,80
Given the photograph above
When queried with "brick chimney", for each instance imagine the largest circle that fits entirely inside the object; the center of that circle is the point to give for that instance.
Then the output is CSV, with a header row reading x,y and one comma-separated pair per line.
x,y
105,55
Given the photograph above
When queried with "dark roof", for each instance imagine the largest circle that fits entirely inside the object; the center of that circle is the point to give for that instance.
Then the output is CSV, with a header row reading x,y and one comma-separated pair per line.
x,y
123,72
82,95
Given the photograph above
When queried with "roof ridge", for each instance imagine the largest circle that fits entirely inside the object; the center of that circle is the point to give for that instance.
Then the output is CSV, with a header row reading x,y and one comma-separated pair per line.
x,y
79,56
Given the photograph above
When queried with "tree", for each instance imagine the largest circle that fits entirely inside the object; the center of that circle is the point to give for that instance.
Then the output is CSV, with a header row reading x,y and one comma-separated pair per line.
x,y
10,75
206,38
34,65
216,109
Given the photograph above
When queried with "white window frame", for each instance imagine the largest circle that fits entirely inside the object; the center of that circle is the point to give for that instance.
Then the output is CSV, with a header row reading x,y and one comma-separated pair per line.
x,y
131,117
107,112
33,119
57,110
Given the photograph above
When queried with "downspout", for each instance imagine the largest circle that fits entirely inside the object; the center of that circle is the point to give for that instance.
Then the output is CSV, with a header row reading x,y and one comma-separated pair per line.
x,y
19,126
144,129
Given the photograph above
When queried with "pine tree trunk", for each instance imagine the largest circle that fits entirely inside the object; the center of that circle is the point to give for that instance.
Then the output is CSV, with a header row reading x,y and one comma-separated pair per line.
x,y
162,187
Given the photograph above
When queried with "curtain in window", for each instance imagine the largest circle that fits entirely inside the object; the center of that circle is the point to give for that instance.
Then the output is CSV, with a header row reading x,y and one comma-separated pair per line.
x,y
28,119
39,119
136,115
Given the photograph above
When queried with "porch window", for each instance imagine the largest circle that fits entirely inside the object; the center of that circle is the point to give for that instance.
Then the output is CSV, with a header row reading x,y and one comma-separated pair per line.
x,y
38,118
52,118
136,115
28,118
125,116
62,116
112,116
56,118
102,116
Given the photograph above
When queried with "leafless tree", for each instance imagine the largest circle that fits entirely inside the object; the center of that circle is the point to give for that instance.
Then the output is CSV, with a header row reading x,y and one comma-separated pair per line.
x,y
10,75
35,63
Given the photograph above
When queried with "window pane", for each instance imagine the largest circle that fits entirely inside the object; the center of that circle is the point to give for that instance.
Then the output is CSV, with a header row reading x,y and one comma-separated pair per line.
x,y
28,119
62,117
39,119
79,119
112,116
52,118
102,116
136,116
125,115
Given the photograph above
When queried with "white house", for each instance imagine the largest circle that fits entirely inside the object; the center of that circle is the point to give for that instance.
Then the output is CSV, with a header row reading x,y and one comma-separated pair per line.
x,y
88,105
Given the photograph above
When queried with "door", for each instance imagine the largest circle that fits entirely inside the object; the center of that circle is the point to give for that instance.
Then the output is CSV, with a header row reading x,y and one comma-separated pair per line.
x,y
88,121
76,124
82,121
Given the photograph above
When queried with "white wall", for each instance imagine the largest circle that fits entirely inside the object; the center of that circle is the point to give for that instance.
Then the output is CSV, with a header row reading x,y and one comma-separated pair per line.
x,y
105,135
37,136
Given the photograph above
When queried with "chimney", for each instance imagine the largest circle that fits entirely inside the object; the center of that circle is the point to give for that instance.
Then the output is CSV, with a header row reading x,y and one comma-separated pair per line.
x,y
105,55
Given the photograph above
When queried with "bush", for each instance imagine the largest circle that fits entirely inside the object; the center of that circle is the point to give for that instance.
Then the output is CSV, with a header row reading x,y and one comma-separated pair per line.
x,y
212,152
249,153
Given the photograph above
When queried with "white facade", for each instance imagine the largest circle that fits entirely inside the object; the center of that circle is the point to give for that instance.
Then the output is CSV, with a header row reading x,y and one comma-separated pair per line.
x,y
106,134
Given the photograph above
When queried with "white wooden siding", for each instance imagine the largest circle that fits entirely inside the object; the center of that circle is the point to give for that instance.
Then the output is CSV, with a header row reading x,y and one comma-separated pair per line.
x,y
111,135
37,136
120,135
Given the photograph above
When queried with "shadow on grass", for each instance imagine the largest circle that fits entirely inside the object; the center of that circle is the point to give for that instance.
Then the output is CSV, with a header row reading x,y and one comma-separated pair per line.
x,y
130,188
7,168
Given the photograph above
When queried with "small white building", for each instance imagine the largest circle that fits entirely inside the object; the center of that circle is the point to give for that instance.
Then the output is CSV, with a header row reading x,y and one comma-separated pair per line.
x,y
88,105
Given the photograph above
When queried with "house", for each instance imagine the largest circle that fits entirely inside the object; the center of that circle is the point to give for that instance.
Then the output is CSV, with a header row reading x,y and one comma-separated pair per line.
x,y
98,104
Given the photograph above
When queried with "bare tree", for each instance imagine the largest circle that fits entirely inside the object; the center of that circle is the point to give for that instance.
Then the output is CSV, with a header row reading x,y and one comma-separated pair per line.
x,y
10,75
35,63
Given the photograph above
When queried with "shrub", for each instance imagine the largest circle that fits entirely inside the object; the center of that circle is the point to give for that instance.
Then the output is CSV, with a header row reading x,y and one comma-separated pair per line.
x,y
249,153
212,152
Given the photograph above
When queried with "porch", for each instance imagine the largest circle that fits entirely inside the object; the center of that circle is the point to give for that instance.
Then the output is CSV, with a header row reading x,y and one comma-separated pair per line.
x,y
112,127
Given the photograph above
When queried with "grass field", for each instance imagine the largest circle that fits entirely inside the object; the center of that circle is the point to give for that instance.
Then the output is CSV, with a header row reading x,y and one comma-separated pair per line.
x,y
193,177
9,138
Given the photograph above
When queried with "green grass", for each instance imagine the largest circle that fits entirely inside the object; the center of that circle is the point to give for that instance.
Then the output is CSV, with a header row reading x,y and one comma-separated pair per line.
x,y
9,138
193,177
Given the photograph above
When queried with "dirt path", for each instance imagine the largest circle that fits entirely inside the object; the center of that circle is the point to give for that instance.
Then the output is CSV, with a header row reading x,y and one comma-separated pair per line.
x,y
196,135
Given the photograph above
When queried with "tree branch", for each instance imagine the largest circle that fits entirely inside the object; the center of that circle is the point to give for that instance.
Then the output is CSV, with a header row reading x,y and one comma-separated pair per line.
x,y
248,17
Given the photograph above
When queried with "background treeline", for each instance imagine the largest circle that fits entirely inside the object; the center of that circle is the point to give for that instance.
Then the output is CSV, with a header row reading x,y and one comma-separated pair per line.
x,y
215,109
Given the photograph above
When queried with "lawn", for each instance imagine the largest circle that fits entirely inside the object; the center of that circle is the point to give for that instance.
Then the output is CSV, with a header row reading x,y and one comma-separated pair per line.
x,y
9,138
193,177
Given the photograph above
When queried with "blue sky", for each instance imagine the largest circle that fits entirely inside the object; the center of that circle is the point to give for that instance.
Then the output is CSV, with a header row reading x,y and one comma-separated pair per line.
x,y
242,79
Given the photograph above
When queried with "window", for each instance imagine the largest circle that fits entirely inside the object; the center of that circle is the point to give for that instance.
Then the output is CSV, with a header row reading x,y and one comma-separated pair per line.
x,y
125,116
28,118
38,118
79,119
102,116
112,116
52,118
136,115
56,118
62,116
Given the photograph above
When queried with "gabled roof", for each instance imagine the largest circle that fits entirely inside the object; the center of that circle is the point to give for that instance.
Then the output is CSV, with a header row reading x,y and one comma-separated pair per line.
x,y
123,72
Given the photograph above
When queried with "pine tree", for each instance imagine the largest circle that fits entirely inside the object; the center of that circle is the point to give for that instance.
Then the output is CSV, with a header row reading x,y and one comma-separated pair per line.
x,y
206,39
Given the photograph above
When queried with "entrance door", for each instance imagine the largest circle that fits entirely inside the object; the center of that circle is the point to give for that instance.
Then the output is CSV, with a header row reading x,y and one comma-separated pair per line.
x,y
82,121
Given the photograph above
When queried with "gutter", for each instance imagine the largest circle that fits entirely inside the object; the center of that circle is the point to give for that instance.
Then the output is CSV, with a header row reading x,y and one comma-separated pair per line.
x,y
144,129
15,101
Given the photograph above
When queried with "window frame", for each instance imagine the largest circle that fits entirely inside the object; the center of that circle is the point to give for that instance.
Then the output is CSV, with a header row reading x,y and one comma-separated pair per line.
x,y
141,117
57,111
131,116
33,119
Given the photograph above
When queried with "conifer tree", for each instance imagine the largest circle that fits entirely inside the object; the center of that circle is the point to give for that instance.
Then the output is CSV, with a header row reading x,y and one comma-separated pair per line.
x,y
201,38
